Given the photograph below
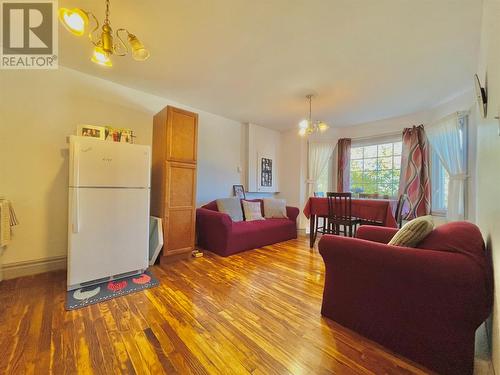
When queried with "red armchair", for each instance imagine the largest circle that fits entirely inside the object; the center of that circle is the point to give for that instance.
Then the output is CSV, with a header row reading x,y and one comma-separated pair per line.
x,y
218,233
424,303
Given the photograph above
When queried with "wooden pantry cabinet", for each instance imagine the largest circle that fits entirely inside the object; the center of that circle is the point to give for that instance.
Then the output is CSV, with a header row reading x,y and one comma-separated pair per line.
x,y
173,179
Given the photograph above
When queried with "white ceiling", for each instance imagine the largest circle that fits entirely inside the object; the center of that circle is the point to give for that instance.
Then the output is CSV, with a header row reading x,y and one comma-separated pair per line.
x,y
254,61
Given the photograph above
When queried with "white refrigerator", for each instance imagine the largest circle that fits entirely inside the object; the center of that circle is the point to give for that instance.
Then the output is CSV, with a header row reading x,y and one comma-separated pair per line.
x,y
108,231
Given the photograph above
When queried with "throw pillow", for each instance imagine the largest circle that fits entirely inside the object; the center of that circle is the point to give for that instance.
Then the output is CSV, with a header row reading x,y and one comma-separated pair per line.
x,y
252,211
232,207
413,232
274,208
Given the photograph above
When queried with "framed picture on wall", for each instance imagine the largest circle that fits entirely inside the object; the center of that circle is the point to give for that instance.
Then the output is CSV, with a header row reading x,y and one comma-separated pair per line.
x,y
266,179
266,172
93,131
239,191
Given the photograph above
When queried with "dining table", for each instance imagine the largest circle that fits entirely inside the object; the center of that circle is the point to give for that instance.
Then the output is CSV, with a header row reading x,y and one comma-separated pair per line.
x,y
377,210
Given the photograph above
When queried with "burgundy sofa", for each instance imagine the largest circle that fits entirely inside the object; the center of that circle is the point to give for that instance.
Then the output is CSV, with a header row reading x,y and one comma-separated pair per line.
x,y
218,233
424,303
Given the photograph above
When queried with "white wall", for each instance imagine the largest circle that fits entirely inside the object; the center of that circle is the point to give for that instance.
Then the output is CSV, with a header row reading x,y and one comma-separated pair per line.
x,y
460,102
261,142
38,109
488,160
293,170
219,156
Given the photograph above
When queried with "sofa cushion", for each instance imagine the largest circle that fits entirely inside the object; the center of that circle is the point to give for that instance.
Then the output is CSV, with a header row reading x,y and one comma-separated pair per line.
x,y
211,206
413,232
252,210
274,208
232,207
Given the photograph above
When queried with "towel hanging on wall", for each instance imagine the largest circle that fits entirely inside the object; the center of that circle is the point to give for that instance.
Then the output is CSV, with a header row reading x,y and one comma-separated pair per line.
x,y
8,219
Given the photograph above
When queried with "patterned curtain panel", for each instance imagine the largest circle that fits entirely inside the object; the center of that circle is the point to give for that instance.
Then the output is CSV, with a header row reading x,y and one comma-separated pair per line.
x,y
343,165
415,169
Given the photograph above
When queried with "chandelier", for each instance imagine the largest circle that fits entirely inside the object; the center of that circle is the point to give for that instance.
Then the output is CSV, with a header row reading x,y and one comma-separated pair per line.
x,y
76,21
308,126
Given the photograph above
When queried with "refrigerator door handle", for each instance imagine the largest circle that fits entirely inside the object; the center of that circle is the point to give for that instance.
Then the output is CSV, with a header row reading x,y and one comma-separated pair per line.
x,y
76,211
76,165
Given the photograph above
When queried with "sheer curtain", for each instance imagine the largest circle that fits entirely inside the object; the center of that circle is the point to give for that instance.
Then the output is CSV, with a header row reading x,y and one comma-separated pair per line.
x,y
319,154
447,139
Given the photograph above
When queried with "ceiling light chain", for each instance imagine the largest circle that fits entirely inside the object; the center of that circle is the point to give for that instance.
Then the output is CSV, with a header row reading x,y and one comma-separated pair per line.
x,y
76,21
307,127
310,106
106,20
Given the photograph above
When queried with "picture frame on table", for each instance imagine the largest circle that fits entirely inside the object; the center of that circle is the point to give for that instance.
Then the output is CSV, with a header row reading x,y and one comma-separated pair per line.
x,y
92,131
239,191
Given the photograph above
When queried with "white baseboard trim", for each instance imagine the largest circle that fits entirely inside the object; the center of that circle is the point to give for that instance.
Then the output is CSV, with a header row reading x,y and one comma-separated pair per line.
x,y
32,267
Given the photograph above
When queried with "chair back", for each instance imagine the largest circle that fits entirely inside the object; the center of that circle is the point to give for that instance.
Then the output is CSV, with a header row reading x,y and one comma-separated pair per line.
x,y
339,205
319,194
400,213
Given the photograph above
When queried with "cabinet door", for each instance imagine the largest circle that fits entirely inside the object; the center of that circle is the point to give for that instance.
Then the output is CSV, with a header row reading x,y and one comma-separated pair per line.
x,y
182,134
180,202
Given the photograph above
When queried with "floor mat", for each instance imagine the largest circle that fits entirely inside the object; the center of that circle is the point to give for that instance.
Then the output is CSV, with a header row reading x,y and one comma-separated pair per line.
x,y
82,297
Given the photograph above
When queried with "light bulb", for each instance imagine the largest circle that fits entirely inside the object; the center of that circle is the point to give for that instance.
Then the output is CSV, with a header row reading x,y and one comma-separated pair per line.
x,y
304,124
139,52
323,126
74,20
100,57
302,132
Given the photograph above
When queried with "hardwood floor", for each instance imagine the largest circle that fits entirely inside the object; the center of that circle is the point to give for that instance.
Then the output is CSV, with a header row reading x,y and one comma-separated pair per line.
x,y
257,312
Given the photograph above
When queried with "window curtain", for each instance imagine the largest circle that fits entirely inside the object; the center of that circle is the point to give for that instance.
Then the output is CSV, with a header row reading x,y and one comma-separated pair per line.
x,y
446,139
319,154
414,181
343,164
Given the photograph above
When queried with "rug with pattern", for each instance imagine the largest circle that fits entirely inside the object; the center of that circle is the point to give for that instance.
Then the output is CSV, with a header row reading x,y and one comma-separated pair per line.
x,y
82,297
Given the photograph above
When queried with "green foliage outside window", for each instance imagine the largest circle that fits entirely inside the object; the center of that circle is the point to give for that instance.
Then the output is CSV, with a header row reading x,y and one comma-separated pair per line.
x,y
375,169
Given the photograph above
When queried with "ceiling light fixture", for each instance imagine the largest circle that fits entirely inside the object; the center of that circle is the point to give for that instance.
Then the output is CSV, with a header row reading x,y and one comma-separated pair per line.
x,y
76,21
307,126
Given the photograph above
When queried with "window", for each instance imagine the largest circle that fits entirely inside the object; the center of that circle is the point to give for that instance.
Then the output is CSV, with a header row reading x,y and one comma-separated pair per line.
x,y
375,168
323,184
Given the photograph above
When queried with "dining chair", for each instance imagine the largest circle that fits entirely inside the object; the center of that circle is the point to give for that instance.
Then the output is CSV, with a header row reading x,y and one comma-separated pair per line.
x,y
320,224
340,214
402,203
